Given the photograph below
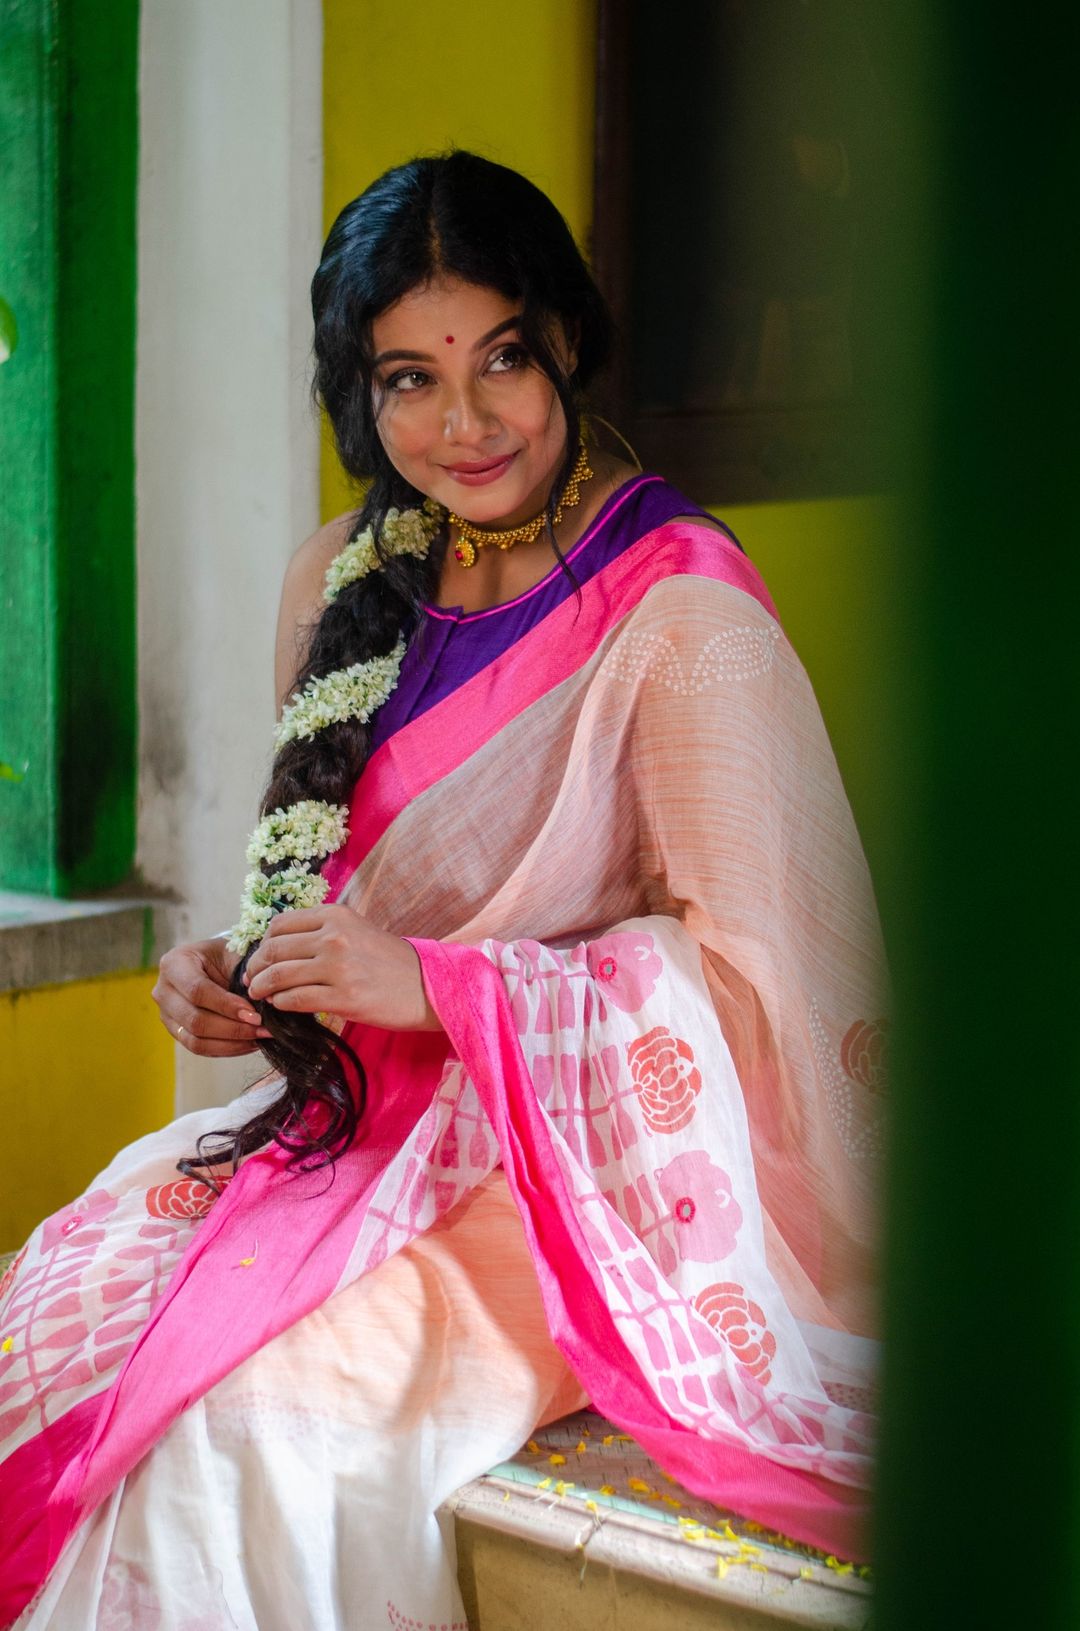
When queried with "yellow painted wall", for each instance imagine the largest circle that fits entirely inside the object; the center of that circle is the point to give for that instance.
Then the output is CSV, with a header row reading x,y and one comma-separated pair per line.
x,y
516,82
87,1067
832,568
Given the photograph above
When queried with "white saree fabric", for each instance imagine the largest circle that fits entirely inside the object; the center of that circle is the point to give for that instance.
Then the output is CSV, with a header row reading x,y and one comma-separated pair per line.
x,y
300,1493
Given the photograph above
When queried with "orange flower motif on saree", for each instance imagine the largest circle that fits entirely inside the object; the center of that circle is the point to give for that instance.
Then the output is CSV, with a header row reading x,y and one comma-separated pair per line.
x,y
666,1080
183,1198
741,1323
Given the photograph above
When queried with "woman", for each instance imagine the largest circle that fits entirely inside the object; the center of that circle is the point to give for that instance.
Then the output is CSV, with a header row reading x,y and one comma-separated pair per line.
x,y
560,942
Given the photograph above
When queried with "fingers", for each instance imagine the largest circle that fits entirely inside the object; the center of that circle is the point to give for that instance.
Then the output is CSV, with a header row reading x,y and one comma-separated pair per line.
x,y
280,949
303,920
305,999
204,994
207,1033
275,981
199,1012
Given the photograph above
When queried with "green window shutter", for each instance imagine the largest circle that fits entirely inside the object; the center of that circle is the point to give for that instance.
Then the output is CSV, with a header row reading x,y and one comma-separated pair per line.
x,y
68,157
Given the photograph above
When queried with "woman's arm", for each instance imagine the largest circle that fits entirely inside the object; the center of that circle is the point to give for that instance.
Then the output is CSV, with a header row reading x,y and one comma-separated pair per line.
x,y
329,959
302,600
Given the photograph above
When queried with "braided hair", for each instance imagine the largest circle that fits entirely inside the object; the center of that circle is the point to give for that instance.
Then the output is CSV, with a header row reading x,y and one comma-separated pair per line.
x,y
453,216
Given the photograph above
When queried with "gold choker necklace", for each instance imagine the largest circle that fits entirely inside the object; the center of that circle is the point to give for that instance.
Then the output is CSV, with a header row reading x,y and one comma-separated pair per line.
x,y
471,538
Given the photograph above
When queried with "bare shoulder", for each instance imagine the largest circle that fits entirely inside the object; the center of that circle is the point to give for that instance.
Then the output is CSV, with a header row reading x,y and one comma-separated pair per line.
x,y
302,598
309,563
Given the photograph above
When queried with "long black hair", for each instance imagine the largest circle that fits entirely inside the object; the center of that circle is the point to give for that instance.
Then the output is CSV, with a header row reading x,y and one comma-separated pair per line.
x,y
453,216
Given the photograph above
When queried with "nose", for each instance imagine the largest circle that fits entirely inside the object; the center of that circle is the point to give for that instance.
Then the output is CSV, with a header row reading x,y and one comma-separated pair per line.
x,y
468,420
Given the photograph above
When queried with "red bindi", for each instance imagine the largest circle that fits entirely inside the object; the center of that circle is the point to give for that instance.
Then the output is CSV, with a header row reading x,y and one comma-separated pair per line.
x,y
449,339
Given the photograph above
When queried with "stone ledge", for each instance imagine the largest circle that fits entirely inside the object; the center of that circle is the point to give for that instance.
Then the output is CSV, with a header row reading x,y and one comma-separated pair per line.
x,y
529,1563
581,1529
51,942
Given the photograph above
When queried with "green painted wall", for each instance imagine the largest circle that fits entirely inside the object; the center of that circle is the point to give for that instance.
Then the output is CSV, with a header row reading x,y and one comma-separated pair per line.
x,y
68,145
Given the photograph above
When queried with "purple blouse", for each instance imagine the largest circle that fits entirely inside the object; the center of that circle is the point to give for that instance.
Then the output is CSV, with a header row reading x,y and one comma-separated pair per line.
x,y
449,646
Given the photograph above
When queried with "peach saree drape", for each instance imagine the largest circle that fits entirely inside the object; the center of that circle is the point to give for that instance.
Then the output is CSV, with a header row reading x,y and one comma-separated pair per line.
x,y
624,855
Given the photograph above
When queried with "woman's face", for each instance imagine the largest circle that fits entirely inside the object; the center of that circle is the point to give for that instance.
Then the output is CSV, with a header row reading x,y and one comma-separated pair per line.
x,y
462,411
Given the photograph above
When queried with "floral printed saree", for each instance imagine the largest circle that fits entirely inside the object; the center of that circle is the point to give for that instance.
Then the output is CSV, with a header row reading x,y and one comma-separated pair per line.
x,y
624,855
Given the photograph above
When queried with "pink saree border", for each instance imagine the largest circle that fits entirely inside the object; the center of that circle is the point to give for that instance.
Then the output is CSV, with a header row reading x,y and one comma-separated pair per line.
x,y
428,748
468,993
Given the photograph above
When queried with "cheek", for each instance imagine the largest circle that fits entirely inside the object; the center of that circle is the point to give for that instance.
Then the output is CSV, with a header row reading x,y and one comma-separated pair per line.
x,y
540,414
402,432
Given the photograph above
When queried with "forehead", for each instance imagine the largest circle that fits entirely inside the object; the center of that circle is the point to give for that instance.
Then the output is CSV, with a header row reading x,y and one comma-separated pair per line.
x,y
434,310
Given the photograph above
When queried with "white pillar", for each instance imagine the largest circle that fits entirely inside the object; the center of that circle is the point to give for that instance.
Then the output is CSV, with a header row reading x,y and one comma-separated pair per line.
x,y
230,227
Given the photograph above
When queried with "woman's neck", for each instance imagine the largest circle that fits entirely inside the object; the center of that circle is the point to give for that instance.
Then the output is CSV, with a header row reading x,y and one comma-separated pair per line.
x,y
500,575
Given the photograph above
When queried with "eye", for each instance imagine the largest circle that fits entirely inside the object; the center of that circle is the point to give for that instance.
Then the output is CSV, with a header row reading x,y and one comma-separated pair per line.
x,y
508,358
406,380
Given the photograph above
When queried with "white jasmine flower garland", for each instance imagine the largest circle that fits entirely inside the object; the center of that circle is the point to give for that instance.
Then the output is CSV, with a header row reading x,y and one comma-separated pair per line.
x,y
311,829
293,887
404,532
347,693
305,831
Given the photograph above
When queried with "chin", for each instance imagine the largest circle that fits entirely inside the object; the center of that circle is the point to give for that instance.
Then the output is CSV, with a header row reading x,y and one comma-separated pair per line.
x,y
484,507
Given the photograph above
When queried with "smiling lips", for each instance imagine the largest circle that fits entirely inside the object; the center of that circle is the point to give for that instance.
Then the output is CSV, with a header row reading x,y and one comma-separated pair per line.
x,y
480,473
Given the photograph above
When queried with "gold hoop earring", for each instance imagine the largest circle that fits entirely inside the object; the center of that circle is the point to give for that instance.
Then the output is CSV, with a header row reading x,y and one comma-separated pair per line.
x,y
617,433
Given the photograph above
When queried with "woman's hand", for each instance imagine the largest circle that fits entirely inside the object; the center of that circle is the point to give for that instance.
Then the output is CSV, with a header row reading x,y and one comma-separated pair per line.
x,y
328,959
196,1005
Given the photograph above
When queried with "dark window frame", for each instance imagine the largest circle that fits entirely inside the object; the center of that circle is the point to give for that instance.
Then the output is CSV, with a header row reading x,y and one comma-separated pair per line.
x,y
734,455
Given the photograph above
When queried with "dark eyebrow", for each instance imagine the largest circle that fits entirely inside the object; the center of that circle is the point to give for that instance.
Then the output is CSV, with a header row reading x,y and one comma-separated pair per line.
x,y
423,356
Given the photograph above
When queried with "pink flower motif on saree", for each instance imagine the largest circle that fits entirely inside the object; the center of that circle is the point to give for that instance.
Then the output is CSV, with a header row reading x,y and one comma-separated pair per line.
x,y
862,1053
626,968
741,1323
80,1301
666,1080
128,1601
706,1215
78,1220
184,1198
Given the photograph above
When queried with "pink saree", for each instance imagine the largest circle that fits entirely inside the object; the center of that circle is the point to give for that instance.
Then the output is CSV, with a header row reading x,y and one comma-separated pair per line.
x,y
623,853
